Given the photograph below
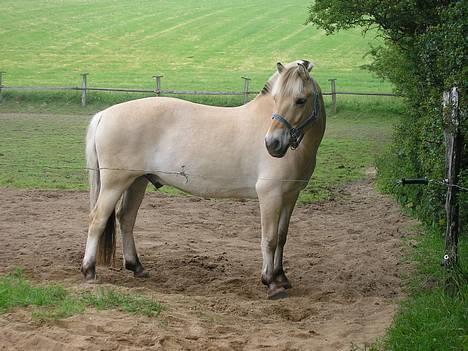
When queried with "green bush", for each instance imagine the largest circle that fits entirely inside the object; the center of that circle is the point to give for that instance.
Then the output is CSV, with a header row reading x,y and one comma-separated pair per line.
x,y
434,62
424,55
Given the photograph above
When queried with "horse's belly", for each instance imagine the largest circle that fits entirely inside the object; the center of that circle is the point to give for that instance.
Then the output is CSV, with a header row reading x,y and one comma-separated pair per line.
x,y
211,187
216,172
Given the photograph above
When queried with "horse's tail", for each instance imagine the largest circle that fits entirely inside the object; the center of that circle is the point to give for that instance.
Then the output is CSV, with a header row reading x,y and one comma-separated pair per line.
x,y
106,245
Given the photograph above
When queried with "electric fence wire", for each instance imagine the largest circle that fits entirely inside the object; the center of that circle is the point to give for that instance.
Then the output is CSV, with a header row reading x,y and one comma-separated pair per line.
x,y
402,181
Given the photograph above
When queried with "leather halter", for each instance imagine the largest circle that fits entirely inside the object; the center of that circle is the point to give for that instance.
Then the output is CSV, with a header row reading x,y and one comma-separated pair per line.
x,y
297,133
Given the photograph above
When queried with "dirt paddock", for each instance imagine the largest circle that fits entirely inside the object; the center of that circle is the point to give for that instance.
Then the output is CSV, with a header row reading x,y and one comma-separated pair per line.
x,y
342,258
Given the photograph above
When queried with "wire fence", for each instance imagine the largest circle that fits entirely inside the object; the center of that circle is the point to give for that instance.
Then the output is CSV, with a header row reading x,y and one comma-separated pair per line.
x,y
158,91
182,172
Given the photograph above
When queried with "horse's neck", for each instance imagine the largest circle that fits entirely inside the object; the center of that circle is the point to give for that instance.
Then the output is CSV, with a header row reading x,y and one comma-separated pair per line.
x,y
263,103
261,107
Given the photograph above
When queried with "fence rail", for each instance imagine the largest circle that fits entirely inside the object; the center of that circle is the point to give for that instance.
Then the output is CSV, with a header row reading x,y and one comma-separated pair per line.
x,y
158,91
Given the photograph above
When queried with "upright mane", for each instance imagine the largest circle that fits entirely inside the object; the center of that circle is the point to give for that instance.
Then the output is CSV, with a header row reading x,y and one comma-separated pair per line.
x,y
289,79
269,84
289,83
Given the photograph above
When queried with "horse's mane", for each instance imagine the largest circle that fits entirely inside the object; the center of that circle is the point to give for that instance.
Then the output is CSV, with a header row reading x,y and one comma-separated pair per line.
x,y
269,84
291,82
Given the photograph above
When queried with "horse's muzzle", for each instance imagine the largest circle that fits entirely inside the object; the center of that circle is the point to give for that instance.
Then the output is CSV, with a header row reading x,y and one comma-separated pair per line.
x,y
276,147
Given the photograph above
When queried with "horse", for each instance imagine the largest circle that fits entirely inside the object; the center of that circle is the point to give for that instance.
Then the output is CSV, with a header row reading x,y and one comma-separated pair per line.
x,y
207,151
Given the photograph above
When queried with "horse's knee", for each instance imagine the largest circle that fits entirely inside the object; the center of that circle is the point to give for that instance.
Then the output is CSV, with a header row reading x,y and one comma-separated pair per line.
x,y
269,244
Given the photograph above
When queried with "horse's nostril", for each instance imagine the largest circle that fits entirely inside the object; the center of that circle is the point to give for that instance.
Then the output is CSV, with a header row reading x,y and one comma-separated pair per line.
x,y
275,144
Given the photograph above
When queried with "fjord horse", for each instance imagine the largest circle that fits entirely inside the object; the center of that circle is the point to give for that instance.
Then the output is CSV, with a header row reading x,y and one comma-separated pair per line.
x,y
240,152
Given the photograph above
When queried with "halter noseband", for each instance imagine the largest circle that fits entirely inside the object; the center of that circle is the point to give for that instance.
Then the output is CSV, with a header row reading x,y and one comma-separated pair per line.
x,y
297,133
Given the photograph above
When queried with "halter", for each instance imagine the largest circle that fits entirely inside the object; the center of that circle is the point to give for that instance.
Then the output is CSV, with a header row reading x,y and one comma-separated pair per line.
x,y
296,134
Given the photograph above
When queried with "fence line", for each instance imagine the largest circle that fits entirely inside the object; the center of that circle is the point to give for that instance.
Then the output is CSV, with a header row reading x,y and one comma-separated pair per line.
x,y
158,91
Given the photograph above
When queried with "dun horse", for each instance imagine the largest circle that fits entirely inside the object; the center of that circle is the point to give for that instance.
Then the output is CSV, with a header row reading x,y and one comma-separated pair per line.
x,y
239,152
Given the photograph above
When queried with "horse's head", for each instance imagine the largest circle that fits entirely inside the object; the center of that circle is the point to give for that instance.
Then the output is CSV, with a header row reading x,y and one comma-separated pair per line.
x,y
296,106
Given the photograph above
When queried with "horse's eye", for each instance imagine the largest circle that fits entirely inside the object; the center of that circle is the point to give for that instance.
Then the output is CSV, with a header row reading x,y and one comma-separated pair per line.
x,y
300,101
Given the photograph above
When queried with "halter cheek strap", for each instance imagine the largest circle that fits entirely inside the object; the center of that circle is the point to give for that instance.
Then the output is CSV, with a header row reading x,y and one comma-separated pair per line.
x,y
297,133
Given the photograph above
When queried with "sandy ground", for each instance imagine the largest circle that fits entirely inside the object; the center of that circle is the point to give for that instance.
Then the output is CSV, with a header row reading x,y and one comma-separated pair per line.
x,y
342,258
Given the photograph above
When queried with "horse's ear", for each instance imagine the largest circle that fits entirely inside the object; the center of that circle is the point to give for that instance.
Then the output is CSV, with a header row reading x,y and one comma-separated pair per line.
x,y
308,65
303,72
279,67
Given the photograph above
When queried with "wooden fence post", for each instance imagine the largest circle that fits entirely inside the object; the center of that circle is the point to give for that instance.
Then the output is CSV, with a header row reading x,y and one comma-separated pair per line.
x,y
84,83
1,83
246,89
157,89
333,93
454,146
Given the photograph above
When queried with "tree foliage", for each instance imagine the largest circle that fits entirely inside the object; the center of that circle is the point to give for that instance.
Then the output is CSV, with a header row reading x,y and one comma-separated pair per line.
x,y
424,54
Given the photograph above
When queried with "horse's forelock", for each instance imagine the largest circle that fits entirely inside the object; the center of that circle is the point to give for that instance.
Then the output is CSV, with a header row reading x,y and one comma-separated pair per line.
x,y
289,83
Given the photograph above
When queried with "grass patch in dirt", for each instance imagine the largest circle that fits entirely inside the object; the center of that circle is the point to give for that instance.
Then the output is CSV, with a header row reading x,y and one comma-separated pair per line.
x,y
53,301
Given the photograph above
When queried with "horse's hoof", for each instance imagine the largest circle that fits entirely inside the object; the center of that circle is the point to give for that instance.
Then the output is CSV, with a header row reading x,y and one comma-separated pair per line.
x,y
281,280
141,274
89,274
277,293
137,269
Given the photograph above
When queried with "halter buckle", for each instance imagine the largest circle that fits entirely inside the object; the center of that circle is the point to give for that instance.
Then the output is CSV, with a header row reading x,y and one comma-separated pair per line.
x,y
295,137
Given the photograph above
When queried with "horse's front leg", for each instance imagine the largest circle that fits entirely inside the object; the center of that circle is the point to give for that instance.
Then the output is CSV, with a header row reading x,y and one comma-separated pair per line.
x,y
279,277
276,209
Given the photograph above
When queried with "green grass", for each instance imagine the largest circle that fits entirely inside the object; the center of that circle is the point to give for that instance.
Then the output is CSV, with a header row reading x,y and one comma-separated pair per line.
x,y
202,44
53,301
430,319
47,150
355,136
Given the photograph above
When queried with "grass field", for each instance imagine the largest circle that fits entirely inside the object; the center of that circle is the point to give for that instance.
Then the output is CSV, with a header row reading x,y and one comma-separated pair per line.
x,y
201,44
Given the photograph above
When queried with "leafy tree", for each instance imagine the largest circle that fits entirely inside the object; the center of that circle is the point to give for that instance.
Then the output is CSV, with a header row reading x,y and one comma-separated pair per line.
x,y
424,53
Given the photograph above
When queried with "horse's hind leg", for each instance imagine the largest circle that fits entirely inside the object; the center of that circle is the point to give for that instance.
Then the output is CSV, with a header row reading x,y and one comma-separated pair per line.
x,y
112,187
126,215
